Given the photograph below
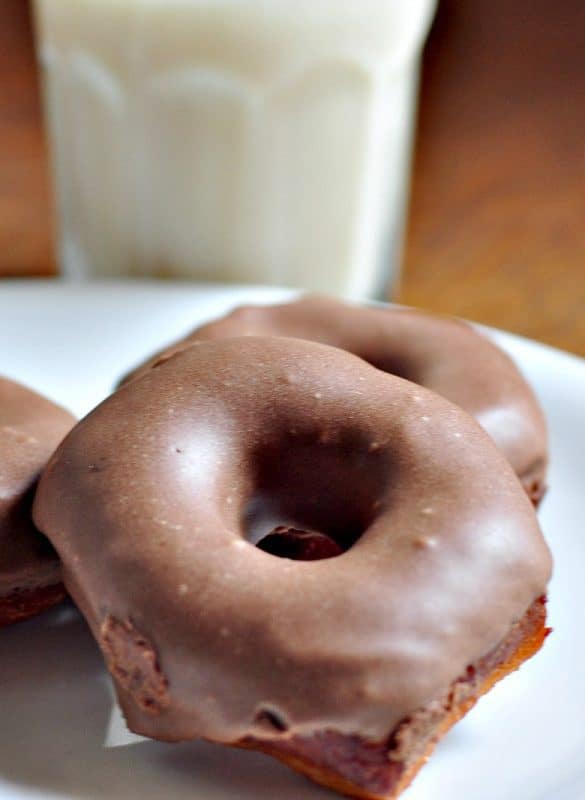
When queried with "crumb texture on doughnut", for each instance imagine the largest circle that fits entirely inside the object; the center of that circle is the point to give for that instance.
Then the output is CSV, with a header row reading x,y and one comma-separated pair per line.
x,y
132,659
445,355
31,427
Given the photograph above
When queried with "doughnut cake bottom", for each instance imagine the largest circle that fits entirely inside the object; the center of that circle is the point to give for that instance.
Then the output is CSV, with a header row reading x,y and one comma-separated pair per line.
x,y
21,605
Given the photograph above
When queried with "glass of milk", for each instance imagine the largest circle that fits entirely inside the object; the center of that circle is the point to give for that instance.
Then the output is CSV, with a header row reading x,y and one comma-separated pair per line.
x,y
248,141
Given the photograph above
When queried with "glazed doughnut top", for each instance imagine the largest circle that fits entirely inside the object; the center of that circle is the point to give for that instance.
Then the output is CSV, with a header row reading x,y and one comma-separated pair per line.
x,y
31,427
440,353
155,501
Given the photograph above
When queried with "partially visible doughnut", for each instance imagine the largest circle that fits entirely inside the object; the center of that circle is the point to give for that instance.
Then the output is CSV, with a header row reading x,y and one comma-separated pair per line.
x,y
347,667
31,427
445,355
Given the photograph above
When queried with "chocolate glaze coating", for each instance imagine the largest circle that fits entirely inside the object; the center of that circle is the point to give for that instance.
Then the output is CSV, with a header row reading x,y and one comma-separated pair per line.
x,y
155,499
384,769
445,355
31,427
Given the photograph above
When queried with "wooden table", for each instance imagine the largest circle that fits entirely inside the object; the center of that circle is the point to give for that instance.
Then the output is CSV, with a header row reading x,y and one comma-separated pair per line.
x,y
497,229
498,211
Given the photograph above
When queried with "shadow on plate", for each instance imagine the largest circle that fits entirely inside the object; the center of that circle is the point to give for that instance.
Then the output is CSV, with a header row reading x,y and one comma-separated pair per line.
x,y
56,706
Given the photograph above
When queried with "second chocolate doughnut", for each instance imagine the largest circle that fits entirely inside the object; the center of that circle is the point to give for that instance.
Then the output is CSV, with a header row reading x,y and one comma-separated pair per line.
x,y
445,355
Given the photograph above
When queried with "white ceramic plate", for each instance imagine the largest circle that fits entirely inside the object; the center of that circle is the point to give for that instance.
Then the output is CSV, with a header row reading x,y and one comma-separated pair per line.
x,y
61,735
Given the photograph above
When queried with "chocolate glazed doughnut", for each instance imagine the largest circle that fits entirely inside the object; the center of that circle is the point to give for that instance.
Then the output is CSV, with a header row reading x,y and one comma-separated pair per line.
x,y
31,427
442,354
347,667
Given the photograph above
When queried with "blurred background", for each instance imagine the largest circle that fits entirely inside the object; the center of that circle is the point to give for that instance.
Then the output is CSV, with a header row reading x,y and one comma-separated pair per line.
x,y
497,218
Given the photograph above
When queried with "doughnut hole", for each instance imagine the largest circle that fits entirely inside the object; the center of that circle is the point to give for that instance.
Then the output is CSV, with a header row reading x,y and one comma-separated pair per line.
x,y
314,494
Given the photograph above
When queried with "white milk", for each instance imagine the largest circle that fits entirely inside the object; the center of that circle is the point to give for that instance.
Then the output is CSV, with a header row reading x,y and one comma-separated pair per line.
x,y
262,141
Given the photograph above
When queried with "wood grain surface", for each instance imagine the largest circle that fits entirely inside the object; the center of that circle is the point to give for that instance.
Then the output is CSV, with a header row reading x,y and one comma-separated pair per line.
x,y
25,225
497,230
